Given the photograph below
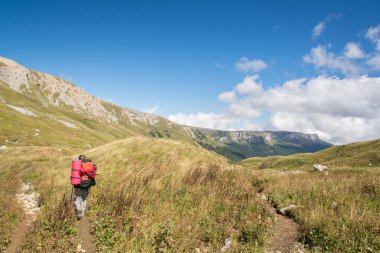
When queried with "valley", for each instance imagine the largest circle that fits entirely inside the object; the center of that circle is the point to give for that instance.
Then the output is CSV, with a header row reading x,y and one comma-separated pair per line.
x,y
165,187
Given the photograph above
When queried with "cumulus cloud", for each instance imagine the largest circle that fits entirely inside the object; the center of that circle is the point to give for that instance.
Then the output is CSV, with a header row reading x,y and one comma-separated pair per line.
x,y
339,110
246,65
152,110
322,59
353,51
249,85
373,34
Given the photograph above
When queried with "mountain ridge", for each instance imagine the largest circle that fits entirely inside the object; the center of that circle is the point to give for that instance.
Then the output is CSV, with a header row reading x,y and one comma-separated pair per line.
x,y
55,93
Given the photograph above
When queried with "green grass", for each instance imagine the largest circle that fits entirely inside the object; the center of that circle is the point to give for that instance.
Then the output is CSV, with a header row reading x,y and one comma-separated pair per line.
x,y
362,154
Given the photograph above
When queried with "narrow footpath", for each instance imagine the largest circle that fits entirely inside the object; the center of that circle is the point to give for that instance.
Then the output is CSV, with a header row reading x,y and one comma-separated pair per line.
x,y
86,237
29,201
285,236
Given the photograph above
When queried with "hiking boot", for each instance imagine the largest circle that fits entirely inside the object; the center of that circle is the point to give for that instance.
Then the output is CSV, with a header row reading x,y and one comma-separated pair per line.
x,y
80,216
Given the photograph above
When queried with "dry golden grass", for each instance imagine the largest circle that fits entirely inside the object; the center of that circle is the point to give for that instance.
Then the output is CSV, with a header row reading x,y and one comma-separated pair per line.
x,y
47,170
162,195
338,211
153,195
10,210
156,195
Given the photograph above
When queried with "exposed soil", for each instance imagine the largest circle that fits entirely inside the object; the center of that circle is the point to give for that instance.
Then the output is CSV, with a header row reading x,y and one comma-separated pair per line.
x,y
85,235
18,234
284,238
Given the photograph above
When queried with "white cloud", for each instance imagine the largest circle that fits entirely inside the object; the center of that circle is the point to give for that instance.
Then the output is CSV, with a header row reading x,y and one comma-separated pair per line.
x,y
318,29
249,85
321,26
246,65
228,96
339,110
335,129
152,110
373,34
353,51
322,59
374,62
201,119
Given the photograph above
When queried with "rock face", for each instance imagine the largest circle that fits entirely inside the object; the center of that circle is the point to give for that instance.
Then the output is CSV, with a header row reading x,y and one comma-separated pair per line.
x,y
320,168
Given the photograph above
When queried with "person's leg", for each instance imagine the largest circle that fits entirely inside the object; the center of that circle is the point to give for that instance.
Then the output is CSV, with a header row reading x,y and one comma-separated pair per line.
x,y
77,199
79,202
84,196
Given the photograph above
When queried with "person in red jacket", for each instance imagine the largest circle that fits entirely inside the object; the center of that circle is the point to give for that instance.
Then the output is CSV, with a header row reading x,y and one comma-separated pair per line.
x,y
87,173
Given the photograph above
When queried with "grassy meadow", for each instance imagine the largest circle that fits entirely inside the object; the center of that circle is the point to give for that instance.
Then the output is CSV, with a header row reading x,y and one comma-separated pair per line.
x,y
153,195
165,195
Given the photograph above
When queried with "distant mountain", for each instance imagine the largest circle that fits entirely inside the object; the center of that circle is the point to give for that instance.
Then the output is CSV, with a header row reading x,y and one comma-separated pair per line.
x,y
238,145
41,109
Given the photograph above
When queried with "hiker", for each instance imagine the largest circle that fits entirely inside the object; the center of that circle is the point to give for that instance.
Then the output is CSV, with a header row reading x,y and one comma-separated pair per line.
x,y
82,178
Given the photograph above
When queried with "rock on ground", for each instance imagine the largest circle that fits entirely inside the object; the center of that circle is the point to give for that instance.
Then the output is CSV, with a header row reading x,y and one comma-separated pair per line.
x,y
319,167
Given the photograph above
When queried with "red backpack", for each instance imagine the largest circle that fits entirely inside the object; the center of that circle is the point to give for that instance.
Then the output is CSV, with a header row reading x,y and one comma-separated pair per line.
x,y
87,173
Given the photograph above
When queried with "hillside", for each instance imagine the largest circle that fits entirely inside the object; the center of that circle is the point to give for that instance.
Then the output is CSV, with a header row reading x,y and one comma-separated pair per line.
x,y
153,195
41,109
337,209
359,154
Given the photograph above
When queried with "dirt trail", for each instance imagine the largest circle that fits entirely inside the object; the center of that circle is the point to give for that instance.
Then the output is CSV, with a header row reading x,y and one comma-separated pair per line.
x,y
285,236
29,202
286,232
17,235
87,239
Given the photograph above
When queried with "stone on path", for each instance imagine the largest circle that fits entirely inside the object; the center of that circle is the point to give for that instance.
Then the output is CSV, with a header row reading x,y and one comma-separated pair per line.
x,y
284,210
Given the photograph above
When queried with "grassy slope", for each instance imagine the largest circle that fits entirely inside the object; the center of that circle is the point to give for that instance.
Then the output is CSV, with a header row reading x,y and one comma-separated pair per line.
x,y
152,195
53,133
338,211
171,196
55,229
352,155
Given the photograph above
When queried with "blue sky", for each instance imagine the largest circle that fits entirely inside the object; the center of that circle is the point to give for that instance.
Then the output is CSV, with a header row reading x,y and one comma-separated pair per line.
x,y
178,57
